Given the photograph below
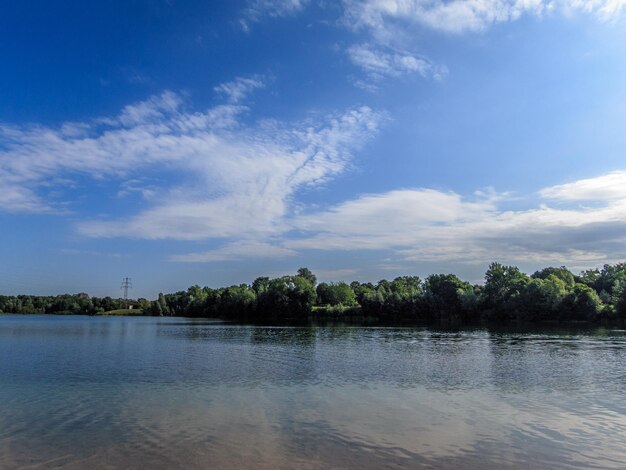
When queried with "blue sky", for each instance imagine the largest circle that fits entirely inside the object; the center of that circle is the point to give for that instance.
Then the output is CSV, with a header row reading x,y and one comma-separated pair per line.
x,y
193,142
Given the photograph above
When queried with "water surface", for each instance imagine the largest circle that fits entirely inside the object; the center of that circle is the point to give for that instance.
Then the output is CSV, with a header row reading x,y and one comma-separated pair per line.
x,y
92,392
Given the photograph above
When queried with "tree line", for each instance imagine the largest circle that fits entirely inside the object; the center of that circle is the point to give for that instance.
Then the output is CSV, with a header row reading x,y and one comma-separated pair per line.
x,y
80,304
507,295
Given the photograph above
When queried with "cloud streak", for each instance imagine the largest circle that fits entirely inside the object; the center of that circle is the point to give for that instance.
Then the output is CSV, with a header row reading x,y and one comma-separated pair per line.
x,y
236,251
380,62
392,27
257,10
240,88
231,180
244,178
611,186
460,16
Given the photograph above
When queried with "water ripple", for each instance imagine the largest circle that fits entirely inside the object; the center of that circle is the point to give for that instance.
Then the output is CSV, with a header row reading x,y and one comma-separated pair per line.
x,y
162,393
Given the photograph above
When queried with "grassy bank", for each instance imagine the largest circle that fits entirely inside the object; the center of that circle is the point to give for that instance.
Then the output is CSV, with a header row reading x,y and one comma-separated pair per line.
x,y
124,312
336,310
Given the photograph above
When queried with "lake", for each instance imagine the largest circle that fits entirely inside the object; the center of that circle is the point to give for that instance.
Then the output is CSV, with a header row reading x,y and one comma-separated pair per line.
x,y
96,392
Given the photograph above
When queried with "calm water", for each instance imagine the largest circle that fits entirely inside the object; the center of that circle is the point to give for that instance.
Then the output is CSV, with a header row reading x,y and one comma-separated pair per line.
x,y
83,392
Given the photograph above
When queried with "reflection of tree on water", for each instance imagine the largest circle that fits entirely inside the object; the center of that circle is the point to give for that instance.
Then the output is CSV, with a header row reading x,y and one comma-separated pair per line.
x,y
340,332
283,355
284,335
543,358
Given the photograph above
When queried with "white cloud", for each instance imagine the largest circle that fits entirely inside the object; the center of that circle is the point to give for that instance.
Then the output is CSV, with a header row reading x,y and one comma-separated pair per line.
x,y
136,186
235,182
256,10
244,213
379,62
607,187
243,178
234,251
153,109
240,88
393,25
213,175
383,17
426,225
16,198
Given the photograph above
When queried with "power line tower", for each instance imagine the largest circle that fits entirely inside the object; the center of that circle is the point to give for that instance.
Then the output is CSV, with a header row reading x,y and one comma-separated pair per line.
x,y
127,283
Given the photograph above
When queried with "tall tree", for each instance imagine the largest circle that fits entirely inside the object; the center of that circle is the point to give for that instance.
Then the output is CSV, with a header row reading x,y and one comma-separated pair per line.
x,y
308,275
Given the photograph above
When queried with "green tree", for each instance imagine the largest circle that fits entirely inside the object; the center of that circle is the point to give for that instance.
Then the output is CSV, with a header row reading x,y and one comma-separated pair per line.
x,y
163,307
260,285
541,299
308,275
581,303
338,293
502,291
561,273
238,302
286,297
444,294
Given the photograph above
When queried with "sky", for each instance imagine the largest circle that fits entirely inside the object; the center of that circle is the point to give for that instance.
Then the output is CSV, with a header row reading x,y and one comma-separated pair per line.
x,y
196,142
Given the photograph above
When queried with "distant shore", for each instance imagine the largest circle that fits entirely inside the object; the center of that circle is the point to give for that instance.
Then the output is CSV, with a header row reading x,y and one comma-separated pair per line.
x,y
508,296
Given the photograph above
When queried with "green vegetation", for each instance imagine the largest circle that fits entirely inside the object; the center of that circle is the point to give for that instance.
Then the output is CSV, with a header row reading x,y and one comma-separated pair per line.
x,y
124,312
507,295
81,304
335,294
336,311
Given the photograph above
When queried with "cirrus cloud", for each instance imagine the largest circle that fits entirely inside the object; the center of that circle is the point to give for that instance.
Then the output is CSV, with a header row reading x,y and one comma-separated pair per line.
x,y
459,16
256,10
215,175
237,184
379,62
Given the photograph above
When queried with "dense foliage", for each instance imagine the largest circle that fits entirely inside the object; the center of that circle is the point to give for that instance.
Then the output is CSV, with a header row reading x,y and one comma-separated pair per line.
x,y
66,303
551,294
